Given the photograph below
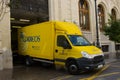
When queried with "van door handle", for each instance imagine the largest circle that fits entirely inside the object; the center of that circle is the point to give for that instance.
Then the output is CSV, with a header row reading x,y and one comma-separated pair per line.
x,y
56,50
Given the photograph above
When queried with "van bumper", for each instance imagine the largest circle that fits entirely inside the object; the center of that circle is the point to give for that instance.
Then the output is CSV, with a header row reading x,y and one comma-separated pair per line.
x,y
90,64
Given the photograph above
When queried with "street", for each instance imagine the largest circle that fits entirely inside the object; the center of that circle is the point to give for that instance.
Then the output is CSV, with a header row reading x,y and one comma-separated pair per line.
x,y
111,71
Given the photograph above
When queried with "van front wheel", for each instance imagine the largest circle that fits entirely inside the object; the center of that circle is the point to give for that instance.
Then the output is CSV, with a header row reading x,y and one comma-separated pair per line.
x,y
72,67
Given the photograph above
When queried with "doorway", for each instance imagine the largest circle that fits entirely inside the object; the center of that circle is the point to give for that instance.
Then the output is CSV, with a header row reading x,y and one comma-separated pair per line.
x,y
24,13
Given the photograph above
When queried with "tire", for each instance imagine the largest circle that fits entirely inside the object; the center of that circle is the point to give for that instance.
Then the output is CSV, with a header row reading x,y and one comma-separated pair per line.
x,y
28,61
72,67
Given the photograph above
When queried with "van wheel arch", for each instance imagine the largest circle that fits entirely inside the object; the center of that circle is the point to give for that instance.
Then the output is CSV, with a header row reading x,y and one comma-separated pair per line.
x,y
28,60
72,66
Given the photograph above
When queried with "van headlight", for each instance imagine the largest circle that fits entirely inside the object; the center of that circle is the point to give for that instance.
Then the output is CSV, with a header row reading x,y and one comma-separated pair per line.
x,y
85,54
102,53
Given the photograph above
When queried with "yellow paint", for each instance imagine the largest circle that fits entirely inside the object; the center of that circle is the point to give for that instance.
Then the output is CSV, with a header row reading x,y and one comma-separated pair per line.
x,y
96,74
104,75
118,79
116,66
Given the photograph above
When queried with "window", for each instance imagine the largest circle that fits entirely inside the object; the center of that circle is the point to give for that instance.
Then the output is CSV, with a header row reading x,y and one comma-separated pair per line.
x,y
77,40
105,48
101,17
84,15
117,47
113,14
61,41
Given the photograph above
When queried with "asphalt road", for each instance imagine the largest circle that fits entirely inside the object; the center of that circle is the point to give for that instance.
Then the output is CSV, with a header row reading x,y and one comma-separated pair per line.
x,y
37,72
112,73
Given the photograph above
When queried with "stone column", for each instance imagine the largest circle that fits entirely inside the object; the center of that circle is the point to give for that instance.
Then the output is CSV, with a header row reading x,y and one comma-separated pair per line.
x,y
112,54
5,35
1,55
1,60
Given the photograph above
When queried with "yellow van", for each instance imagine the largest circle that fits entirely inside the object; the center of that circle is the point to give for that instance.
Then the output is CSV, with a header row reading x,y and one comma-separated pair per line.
x,y
59,43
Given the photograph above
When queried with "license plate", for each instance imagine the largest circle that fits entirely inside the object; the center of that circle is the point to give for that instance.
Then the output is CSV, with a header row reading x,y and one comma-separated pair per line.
x,y
100,66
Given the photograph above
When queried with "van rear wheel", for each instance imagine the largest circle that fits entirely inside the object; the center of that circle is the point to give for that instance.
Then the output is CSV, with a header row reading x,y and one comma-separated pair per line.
x,y
72,67
28,61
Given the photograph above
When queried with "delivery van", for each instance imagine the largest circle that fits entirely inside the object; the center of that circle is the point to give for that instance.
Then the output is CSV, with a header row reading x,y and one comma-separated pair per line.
x,y
59,43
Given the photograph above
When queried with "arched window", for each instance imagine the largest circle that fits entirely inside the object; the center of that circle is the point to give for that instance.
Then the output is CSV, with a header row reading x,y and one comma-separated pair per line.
x,y
84,15
113,14
101,17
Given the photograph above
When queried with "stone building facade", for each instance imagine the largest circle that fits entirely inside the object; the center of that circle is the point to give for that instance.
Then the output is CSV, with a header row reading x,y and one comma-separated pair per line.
x,y
80,12
73,11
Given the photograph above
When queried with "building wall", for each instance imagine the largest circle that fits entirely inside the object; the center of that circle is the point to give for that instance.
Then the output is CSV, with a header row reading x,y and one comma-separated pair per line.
x,y
5,38
68,10
63,10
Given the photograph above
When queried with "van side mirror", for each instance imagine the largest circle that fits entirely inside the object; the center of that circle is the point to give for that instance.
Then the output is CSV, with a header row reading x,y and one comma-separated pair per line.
x,y
93,44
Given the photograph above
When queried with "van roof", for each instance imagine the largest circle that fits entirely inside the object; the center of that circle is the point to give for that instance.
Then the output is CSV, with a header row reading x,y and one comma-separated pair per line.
x,y
68,27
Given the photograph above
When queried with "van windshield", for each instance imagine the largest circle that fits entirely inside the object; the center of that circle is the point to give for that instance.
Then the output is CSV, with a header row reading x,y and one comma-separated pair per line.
x,y
78,40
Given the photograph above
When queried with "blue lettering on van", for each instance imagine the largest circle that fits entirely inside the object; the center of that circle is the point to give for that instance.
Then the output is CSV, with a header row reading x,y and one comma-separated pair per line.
x,y
29,38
